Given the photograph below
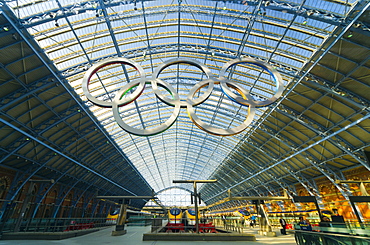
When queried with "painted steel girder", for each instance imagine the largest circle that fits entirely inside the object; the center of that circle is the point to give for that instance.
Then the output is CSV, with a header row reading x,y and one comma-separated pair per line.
x,y
191,48
67,11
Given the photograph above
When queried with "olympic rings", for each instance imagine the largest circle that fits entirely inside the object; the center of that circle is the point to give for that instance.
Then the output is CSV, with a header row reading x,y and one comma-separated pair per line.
x,y
92,70
249,101
123,98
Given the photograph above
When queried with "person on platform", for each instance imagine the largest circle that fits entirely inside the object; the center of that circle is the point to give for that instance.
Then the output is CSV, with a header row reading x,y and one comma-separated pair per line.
x,y
253,221
325,222
224,221
283,225
305,225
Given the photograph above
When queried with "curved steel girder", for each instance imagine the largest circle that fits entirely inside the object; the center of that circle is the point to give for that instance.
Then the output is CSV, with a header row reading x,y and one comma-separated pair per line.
x,y
148,108
307,70
291,41
322,132
64,120
98,150
144,50
339,90
97,146
315,130
311,13
12,151
231,172
262,184
349,96
17,184
299,152
80,69
8,15
81,193
18,95
52,185
289,186
46,192
42,125
294,115
39,197
174,187
211,143
257,147
216,187
193,157
311,189
65,156
345,193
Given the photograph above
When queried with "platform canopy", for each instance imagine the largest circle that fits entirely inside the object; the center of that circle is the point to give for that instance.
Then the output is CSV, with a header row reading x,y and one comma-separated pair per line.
x,y
318,127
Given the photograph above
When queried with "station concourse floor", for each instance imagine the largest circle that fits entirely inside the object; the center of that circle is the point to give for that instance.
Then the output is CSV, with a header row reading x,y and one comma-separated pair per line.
x,y
134,236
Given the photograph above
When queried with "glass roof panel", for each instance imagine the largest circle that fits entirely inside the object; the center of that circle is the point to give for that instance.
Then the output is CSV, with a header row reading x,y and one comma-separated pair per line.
x,y
81,33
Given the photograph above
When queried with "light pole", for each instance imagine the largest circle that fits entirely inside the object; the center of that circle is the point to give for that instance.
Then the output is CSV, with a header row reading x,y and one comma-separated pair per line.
x,y
196,195
120,226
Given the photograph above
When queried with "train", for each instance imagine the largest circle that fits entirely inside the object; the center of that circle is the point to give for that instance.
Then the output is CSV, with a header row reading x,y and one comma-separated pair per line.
x,y
186,217
175,216
113,215
243,213
189,217
185,221
132,216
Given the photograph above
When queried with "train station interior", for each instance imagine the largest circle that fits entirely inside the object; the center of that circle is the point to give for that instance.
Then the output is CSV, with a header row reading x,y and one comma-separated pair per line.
x,y
184,121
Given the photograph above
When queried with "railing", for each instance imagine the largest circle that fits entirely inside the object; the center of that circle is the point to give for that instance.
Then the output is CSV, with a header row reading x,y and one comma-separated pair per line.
x,y
55,224
347,228
323,238
209,225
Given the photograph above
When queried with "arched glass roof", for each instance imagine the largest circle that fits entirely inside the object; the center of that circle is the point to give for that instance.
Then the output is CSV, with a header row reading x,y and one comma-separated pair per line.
x,y
304,40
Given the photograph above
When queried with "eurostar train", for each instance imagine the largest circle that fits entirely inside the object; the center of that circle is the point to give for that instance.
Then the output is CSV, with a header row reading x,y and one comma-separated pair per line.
x,y
114,213
242,213
175,216
189,217
113,216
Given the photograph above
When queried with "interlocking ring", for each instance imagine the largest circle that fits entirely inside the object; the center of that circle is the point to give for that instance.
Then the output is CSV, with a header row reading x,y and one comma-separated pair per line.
x,y
123,98
93,69
249,101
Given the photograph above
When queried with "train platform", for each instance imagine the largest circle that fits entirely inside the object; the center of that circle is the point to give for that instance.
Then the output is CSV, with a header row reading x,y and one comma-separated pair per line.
x,y
134,236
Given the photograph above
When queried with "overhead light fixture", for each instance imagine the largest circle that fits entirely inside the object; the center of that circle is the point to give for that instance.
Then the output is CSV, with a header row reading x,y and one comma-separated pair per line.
x,y
56,23
304,22
5,28
357,25
267,3
309,13
144,55
350,34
